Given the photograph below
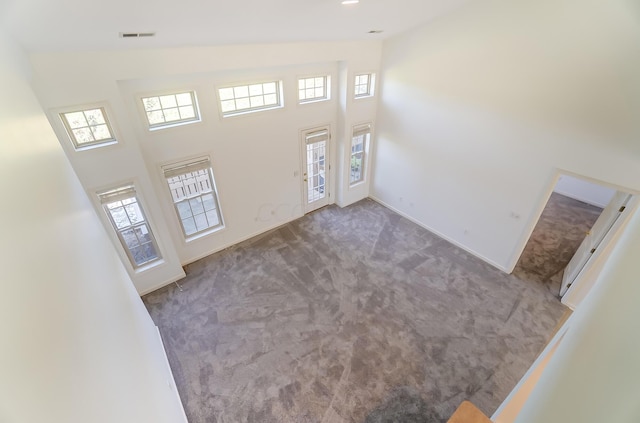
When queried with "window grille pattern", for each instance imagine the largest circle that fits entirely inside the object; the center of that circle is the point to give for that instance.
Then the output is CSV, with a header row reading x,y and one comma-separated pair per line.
x,y
246,98
167,110
359,146
316,165
194,197
312,89
364,85
88,127
128,219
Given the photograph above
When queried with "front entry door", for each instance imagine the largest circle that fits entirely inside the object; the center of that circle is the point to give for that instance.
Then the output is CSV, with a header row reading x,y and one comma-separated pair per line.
x,y
315,175
594,237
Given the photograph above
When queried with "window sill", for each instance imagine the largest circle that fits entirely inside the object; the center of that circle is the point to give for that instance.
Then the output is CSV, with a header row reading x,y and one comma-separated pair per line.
x,y
248,112
148,266
173,125
204,234
94,146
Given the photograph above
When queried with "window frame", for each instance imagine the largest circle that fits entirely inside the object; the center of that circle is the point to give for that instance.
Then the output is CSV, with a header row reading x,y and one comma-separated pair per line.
x,y
279,92
327,88
120,193
82,109
371,85
362,129
174,123
174,169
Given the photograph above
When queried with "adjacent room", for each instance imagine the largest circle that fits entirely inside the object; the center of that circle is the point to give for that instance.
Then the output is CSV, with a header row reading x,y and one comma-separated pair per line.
x,y
320,211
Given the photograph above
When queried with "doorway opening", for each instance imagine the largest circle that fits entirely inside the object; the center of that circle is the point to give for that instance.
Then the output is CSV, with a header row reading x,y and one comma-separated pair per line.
x,y
315,172
574,223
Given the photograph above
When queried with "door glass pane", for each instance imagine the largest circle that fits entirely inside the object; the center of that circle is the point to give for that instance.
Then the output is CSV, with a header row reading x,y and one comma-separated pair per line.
x,y
316,171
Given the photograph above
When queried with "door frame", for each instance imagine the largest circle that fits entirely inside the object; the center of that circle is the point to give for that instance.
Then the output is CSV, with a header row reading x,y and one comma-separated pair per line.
x,y
593,241
606,244
587,277
302,143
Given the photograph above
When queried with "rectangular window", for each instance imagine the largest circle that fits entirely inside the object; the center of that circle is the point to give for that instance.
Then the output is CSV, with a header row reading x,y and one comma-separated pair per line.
x,y
359,147
313,89
89,127
194,196
171,109
249,98
364,85
128,220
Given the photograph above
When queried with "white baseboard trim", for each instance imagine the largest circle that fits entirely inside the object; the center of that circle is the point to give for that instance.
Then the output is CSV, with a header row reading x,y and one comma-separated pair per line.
x,y
172,382
241,239
161,285
441,235
580,198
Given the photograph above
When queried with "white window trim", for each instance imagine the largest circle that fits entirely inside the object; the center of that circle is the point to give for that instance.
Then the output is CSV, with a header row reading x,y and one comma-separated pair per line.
x,y
279,92
365,153
327,88
174,166
116,232
372,85
172,124
68,134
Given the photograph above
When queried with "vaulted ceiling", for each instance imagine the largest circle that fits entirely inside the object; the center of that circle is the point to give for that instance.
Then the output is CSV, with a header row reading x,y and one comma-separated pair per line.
x,y
67,25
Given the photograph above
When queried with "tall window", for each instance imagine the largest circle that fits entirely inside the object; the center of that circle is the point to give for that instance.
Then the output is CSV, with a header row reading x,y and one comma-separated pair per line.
x,y
313,89
194,196
171,109
128,219
364,85
250,98
88,127
359,148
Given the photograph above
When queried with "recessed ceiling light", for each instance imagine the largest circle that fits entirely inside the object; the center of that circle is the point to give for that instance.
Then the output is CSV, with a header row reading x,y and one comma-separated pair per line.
x,y
350,1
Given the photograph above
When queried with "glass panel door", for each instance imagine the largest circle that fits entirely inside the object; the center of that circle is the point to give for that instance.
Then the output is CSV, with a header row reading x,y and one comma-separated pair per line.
x,y
316,170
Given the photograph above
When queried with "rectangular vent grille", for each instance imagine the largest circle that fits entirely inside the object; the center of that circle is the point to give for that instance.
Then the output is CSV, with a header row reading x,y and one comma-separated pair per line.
x,y
136,34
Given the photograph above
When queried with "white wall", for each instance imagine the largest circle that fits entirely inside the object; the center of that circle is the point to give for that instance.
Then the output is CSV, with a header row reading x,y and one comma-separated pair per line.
x,y
593,375
481,109
77,344
583,190
256,157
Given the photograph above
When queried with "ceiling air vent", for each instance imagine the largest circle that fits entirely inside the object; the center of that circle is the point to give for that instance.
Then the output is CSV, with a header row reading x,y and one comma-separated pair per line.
x,y
137,34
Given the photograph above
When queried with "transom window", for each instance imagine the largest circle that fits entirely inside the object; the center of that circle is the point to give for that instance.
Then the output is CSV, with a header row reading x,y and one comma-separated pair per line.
x,y
313,89
89,127
194,196
359,147
171,109
248,98
364,84
128,220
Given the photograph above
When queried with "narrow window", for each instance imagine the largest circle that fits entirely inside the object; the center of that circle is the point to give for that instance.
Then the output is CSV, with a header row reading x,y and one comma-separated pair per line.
x,y
128,220
313,89
194,196
364,84
250,98
171,109
88,127
359,147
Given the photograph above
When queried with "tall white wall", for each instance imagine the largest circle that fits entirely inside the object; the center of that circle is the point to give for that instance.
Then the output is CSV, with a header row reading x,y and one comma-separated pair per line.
x,y
592,376
480,110
256,157
585,191
77,344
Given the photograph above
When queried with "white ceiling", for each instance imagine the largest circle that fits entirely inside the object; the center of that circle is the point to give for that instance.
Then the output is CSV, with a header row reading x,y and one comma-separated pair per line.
x,y
63,25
